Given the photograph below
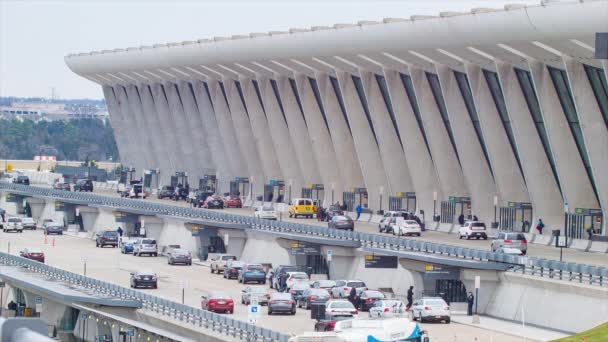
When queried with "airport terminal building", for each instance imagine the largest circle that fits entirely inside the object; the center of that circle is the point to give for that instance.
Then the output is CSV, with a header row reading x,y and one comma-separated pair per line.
x,y
498,113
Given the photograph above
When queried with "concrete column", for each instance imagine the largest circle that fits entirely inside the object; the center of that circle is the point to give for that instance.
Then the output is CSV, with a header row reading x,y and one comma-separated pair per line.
x,y
575,185
290,167
244,135
542,188
419,161
451,179
212,133
131,130
365,144
509,181
89,217
593,126
202,155
298,131
145,138
163,147
475,168
320,140
182,131
391,151
153,225
37,206
120,131
226,129
261,134
346,160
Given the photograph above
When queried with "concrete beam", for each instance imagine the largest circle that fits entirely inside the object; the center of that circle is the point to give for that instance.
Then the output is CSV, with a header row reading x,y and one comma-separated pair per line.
x,y
134,136
122,142
37,206
145,139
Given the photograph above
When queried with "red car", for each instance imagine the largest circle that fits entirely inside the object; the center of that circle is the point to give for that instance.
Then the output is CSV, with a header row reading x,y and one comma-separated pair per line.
x,y
217,302
233,202
33,254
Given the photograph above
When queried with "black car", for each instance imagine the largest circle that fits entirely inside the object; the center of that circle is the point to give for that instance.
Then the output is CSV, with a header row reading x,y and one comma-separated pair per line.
x,y
232,269
165,192
341,222
277,272
213,203
144,279
106,238
367,298
25,180
85,185
199,198
329,322
62,186
333,210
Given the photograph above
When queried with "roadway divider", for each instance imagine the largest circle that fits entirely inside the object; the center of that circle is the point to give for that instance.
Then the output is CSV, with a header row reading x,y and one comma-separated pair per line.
x,y
594,275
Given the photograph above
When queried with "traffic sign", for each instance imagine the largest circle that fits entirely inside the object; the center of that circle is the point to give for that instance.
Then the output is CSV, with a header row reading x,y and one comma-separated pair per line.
x,y
253,312
38,300
330,253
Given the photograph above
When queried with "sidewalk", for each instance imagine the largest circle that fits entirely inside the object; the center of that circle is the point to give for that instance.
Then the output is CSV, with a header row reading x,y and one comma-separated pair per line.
x,y
529,333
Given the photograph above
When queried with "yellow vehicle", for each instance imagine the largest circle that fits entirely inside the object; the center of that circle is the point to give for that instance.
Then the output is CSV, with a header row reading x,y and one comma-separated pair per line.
x,y
301,207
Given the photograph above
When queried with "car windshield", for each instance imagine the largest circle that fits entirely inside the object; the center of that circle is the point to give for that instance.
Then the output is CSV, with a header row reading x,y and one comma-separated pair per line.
x,y
355,284
299,276
388,303
281,296
410,222
478,225
434,302
255,268
237,264
34,250
341,305
148,242
374,294
146,273
319,292
343,218
14,220
228,257
110,233
266,208
327,283
341,318
219,295
180,251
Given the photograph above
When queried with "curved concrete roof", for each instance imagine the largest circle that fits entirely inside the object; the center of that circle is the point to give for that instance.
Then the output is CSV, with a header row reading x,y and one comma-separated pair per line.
x,y
551,21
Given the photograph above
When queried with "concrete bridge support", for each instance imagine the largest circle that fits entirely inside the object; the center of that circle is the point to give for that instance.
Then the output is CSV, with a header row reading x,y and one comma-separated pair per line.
x,y
265,248
37,206
89,218
236,241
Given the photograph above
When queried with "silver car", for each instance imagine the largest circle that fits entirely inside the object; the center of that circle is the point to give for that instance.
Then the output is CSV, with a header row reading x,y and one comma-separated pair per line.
x,y
253,293
386,308
281,302
510,240
179,256
145,246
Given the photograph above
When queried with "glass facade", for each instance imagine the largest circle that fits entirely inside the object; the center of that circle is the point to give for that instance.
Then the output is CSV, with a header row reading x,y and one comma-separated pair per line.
x,y
597,78
387,101
562,87
361,92
438,95
256,86
239,89
275,90
317,93
411,95
525,82
465,90
336,86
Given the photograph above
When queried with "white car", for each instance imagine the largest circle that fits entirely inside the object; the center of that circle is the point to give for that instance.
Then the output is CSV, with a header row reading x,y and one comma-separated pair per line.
x,y
401,226
13,224
385,224
28,223
473,229
343,287
430,309
296,277
386,308
265,212
340,306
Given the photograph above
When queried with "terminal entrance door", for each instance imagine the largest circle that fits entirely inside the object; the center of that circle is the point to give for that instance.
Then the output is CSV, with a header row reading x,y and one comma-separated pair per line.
x,y
516,217
314,191
274,191
403,201
456,206
352,199
578,224
451,290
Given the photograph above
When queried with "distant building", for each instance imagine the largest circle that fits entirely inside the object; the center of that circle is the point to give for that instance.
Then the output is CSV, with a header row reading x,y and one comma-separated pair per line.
x,y
52,111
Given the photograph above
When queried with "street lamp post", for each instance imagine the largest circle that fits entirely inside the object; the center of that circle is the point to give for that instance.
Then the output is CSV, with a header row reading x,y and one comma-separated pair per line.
x,y
434,205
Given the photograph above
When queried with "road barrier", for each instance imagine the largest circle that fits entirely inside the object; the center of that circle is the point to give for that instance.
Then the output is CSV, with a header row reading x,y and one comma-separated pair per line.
x,y
594,275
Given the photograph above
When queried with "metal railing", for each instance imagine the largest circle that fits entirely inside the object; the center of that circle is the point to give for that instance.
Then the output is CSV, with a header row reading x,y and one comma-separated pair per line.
x,y
197,317
594,275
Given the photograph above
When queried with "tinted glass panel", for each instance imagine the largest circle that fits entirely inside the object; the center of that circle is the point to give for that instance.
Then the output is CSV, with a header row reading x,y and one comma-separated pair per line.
x,y
240,90
256,86
411,95
438,95
336,86
275,89
294,88
363,99
317,93
387,101
597,78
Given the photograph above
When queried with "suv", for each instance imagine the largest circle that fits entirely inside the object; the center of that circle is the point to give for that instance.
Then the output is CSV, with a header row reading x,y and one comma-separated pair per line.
x,y
219,263
13,224
25,180
106,238
165,192
510,240
145,246
276,274
28,223
472,229
85,185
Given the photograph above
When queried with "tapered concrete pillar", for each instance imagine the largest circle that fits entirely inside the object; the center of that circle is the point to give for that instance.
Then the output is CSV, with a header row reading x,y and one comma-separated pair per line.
x,y
244,135
451,179
37,206
593,127
370,160
320,140
202,155
145,144
389,143
347,161
89,218
542,188
211,131
134,136
419,161
261,134
163,147
279,133
475,168
575,185
120,131
510,184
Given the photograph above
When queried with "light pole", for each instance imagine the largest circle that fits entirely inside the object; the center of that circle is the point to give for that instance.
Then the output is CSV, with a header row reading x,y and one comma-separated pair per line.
x,y
381,193
495,207
434,205
333,187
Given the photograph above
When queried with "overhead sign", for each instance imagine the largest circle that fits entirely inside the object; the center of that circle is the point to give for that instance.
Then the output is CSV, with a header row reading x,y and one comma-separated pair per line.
x,y
520,205
12,198
120,216
241,179
434,272
360,190
588,211
477,282
196,230
61,206
130,332
330,253
274,182
381,261
304,248
455,199
38,300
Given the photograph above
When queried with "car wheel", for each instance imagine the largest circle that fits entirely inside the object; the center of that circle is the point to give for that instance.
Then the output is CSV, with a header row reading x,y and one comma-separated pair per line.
x,y
447,321
293,312
420,318
155,286
263,282
154,254
485,238
468,237
269,312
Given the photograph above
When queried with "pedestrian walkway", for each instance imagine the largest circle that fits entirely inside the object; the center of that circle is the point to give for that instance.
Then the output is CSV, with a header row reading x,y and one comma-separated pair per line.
x,y
527,333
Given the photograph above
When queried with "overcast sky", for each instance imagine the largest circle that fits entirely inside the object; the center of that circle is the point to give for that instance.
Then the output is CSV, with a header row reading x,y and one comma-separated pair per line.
x,y
36,35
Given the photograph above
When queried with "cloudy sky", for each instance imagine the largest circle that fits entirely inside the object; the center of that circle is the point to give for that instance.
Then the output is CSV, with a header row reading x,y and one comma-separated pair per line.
x,y
36,35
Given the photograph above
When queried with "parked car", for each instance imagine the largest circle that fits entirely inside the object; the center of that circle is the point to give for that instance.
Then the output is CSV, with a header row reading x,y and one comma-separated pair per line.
x,y
52,228
255,292
217,301
473,229
62,186
430,309
323,284
340,307
509,251
333,210
252,272
135,190
33,254
24,180
127,246
13,224
232,269
341,222
296,277
165,192
330,320
144,279
197,198
385,223
179,256
266,212
281,302
278,271
510,240
213,202
233,202
298,288
84,185
312,296
28,223
145,246
219,262
400,226
366,299
386,308
301,207
106,238
343,287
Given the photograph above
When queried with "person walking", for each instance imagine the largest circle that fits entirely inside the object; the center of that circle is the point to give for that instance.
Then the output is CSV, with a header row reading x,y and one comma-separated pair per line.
x,y
358,210
590,233
470,302
461,220
540,226
410,297
319,213
475,218
283,279
119,231
352,296
3,213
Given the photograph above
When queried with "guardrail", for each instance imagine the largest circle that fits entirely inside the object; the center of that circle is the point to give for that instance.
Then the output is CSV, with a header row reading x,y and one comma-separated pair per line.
x,y
197,317
594,275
